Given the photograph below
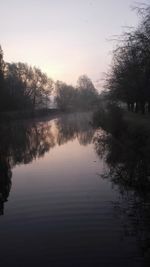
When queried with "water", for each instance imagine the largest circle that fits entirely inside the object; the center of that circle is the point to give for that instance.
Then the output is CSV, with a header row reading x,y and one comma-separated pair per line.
x,y
56,208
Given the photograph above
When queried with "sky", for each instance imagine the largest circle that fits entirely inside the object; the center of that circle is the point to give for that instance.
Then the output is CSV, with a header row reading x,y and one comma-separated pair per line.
x,y
65,38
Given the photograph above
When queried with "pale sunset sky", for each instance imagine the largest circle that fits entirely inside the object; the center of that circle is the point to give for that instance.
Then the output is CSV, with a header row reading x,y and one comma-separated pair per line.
x,y
65,38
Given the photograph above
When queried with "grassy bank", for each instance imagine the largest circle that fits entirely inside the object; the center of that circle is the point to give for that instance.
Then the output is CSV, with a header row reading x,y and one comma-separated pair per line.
x,y
117,121
137,120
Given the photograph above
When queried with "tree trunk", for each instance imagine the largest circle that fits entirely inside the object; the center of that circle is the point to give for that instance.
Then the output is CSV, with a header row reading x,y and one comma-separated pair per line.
x,y
128,104
136,107
132,107
143,108
148,107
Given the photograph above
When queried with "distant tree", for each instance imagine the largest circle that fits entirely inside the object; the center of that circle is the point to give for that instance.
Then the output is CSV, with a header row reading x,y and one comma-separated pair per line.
x,y
87,94
85,83
40,87
1,64
83,97
2,89
65,96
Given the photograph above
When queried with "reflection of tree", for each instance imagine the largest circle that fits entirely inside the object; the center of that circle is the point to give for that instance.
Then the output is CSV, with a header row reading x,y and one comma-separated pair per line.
x,y
5,181
85,137
28,142
128,162
22,142
74,126
134,210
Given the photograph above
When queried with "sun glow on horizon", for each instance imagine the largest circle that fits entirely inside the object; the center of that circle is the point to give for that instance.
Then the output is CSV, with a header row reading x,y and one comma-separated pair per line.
x,y
63,38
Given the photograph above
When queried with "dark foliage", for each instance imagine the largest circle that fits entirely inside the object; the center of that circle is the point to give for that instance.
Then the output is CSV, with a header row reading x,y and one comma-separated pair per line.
x,y
23,87
129,78
82,97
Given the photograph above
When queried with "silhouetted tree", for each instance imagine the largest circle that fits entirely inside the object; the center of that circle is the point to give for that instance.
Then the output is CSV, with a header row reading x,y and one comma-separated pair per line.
x,y
87,94
65,96
83,97
129,79
27,87
2,89
40,88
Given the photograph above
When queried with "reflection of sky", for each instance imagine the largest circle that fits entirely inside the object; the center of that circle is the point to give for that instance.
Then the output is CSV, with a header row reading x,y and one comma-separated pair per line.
x,y
65,38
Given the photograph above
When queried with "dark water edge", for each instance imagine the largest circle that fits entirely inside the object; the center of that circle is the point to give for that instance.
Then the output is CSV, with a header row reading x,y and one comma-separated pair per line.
x,y
27,114
66,198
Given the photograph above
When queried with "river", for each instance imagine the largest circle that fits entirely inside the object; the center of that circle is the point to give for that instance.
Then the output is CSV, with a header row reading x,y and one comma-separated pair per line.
x,y
57,206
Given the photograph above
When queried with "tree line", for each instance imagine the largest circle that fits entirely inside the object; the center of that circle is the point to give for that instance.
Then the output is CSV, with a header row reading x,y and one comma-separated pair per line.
x,y
82,97
23,87
129,77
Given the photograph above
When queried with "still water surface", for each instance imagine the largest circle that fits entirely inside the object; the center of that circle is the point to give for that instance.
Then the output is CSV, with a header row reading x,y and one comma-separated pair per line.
x,y
56,209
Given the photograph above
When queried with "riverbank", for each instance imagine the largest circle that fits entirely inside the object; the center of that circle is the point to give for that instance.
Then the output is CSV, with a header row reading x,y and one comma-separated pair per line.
x,y
134,120
118,121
